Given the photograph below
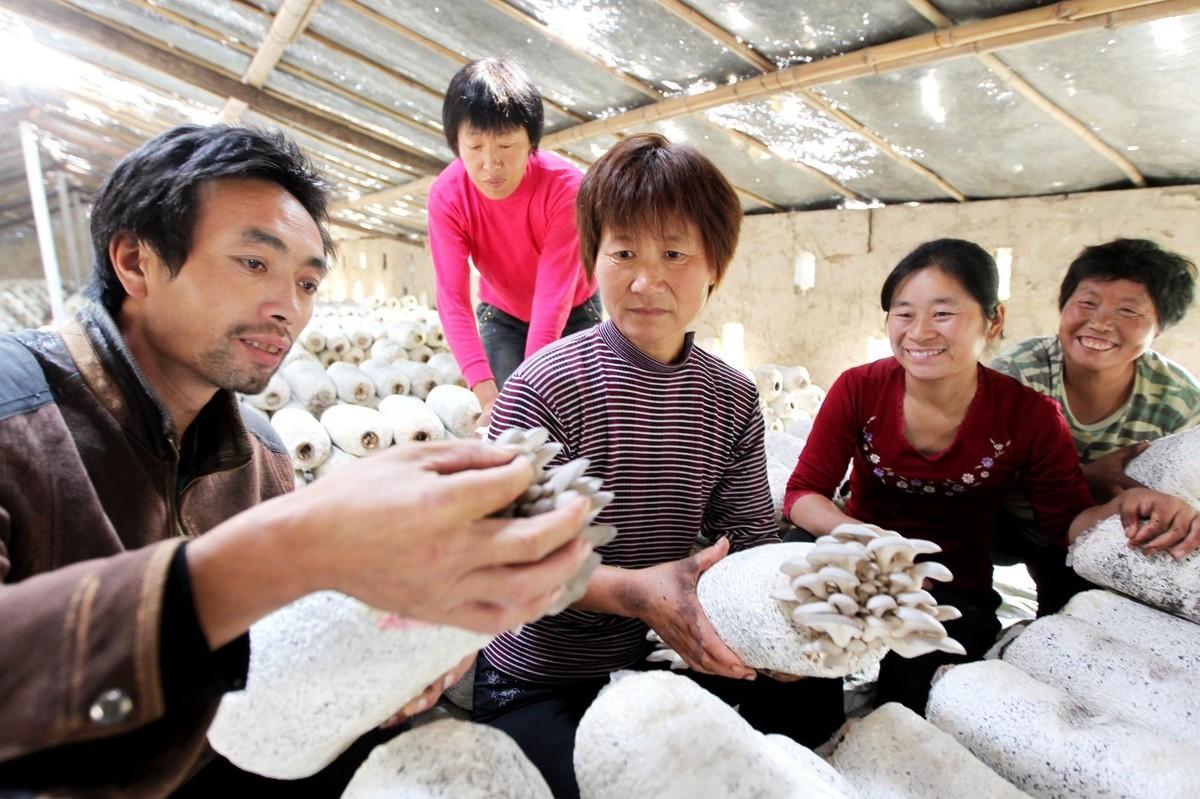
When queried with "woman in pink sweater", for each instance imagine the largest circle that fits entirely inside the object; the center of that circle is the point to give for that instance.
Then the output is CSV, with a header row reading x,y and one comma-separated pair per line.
x,y
510,209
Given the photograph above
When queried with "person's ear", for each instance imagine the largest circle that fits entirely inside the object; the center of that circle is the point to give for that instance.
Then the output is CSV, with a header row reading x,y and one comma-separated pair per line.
x,y
131,260
996,324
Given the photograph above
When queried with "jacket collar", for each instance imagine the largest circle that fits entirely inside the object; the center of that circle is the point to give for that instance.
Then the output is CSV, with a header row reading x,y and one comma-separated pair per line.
x,y
109,369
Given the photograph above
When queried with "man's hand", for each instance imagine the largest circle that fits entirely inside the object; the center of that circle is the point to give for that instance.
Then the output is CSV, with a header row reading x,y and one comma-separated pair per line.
x,y
425,700
1154,521
664,597
1106,475
406,531
486,392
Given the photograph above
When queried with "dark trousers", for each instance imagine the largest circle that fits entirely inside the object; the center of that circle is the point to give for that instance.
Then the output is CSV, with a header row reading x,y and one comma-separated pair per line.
x,y
542,718
504,335
1056,582
907,681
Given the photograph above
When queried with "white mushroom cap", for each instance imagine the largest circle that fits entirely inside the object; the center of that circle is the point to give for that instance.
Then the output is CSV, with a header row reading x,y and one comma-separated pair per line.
x,y
916,598
914,620
931,570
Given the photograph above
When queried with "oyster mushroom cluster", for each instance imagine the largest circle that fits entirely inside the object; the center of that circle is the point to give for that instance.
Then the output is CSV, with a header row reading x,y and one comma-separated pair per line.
x,y
327,668
859,588
553,488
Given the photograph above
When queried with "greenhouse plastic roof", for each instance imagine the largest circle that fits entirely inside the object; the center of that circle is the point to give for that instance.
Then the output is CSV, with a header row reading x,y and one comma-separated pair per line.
x,y
1108,104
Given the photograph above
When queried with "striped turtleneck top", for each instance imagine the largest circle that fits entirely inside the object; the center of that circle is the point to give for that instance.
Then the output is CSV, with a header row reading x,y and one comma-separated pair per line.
x,y
681,446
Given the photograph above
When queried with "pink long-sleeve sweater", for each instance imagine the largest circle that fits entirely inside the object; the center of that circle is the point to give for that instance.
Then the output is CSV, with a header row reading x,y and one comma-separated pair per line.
x,y
525,248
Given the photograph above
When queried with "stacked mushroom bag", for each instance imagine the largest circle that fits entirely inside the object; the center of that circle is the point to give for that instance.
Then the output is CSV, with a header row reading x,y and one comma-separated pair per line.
x,y
448,759
783,450
827,609
895,753
788,397
24,303
357,380
327,668
1156,690
657,734
1103,556
1049,744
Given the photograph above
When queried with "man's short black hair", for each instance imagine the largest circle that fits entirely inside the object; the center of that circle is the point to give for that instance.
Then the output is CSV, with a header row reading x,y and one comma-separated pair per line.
x,y
1169,278
152,192
492,95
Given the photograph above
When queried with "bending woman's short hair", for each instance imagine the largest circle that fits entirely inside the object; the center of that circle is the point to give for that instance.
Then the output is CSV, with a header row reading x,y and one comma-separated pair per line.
x,y
647,182
968,263
1169,278
492,95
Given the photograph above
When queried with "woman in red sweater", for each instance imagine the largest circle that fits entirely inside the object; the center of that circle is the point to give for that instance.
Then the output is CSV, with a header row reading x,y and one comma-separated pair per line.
x,y
937,441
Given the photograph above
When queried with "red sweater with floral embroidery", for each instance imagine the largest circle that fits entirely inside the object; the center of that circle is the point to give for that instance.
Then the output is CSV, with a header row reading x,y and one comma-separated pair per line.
x,y
1011,436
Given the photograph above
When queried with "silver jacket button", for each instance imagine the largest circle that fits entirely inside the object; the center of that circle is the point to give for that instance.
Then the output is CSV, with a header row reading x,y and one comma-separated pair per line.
x,y
111,707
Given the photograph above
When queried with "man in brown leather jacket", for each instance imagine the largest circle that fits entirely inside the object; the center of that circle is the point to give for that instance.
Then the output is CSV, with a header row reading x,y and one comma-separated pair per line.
x,y
145,524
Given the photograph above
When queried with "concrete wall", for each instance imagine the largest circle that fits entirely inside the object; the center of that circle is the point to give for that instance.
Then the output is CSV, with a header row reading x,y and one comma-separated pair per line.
x,y
826,328
378,267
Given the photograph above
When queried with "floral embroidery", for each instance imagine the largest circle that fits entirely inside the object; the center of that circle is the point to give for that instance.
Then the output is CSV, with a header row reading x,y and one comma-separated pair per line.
x,y
973,479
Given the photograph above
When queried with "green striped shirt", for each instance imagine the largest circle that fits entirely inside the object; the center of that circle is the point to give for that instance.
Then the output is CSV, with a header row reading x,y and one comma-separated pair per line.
x,y
1164,400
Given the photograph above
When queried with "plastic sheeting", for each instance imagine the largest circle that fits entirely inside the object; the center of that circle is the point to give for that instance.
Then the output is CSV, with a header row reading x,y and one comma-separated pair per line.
x,y
967,125
789,33
1137,88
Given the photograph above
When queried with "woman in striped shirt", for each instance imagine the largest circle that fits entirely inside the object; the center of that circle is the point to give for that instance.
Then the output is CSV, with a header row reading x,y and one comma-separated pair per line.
x,y
675,433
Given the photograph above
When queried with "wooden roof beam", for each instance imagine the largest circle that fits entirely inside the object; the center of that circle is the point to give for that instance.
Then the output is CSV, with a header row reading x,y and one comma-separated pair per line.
x,y
418,188
80,134
412,240
1006,73
416,38
107,35
1043,23
290,20
813,100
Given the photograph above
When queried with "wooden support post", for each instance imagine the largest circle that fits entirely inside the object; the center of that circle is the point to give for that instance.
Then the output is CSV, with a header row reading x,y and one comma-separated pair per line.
x,y
41,218
66,216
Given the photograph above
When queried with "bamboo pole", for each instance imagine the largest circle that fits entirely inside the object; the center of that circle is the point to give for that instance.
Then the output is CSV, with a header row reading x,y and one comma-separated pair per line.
x,y
332,144
70,234
813,100
735,44
411,239
1006,73
629,80
1041,24
81,135
1025,27
41,218
233,108
133,44
532,22
458,58
755,144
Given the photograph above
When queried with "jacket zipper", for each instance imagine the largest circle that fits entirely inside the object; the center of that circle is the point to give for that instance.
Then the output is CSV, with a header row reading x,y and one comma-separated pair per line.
x,y
174,502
